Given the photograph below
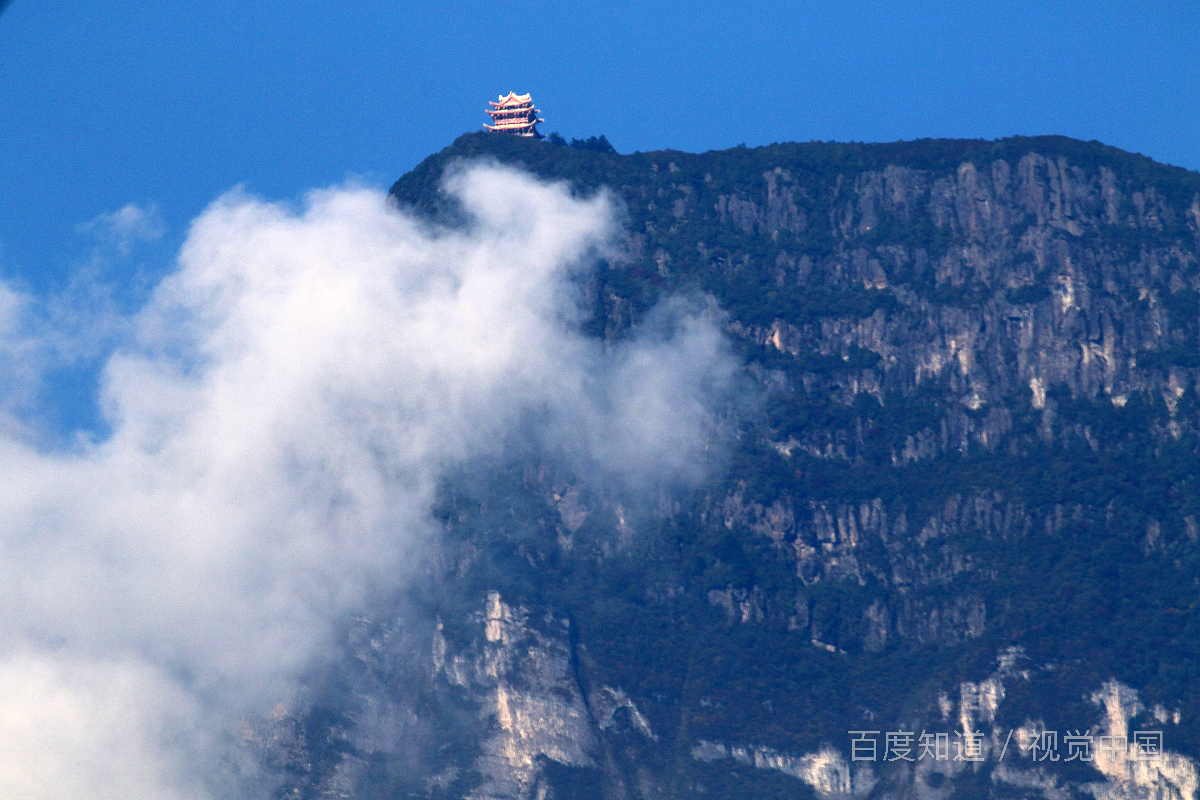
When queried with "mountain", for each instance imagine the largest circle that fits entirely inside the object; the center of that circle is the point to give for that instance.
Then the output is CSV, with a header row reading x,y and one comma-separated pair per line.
x,y
962,502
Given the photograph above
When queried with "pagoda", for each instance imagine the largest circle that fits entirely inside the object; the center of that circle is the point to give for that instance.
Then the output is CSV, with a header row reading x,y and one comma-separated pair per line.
x,y
514,114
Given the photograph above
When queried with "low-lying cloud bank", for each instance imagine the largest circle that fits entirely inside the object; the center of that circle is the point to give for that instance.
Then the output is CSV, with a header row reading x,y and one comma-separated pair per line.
x,y
290,399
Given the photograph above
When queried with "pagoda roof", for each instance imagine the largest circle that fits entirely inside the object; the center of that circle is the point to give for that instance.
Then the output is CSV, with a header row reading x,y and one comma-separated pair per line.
x,y
513,99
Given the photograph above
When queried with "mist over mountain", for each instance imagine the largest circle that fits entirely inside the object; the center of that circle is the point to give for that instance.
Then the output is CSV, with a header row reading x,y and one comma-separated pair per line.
x,y
561,473
282,415
953,494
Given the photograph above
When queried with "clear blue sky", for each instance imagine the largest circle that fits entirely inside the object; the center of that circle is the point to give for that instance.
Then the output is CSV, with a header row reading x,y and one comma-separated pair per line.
x,y
171,103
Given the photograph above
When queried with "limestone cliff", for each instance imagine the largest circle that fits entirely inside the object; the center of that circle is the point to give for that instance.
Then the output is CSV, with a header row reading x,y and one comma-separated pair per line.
x,y
959,496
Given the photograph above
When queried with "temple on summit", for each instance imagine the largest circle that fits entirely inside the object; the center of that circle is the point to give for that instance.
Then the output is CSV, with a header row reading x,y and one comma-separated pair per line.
x,y
514,114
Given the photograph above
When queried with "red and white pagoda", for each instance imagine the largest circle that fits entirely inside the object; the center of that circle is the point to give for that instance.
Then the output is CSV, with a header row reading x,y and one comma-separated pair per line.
x,y
514,114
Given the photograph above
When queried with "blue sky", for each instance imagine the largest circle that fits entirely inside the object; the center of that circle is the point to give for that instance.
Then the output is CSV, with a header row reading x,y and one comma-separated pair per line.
x,y
168,104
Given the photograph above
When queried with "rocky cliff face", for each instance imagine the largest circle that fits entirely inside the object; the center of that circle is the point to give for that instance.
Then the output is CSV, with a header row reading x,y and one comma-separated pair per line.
x,y
1037,286
961,499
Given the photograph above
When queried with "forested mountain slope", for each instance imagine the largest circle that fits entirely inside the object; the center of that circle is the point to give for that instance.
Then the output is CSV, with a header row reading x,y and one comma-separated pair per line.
x,y
960,496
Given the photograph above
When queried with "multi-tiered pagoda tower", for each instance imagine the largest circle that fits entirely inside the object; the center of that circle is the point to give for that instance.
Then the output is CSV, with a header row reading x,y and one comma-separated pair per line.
x,y
514,114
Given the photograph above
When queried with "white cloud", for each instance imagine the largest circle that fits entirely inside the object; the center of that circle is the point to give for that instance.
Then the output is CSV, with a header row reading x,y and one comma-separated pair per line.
x,y
23,355
126,227
280,418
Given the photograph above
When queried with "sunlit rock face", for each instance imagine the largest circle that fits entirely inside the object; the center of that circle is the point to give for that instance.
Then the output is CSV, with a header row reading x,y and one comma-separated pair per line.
x,y
530,700
951,491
